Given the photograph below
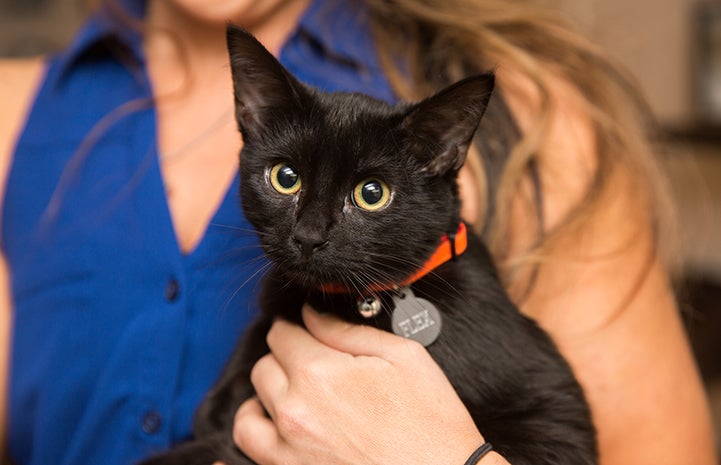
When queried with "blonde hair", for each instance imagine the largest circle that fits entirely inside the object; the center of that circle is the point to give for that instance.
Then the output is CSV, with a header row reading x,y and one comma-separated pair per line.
x,y
424,45
444,40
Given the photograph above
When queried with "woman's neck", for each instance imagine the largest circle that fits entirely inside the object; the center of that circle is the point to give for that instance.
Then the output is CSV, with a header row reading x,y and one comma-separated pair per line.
x,y
180,39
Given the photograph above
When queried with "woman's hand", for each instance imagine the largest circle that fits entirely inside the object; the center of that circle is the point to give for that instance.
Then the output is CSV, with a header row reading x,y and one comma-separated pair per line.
x,y
345,394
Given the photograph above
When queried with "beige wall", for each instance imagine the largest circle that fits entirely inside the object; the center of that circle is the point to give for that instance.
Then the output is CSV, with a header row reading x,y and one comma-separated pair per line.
x,y
652,38
48,27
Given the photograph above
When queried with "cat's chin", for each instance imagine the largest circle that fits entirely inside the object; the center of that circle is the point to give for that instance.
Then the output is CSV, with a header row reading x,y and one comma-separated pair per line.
x,y
328,280
306,277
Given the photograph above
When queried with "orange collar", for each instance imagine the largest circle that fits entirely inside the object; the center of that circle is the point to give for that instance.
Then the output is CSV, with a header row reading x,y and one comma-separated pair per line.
x,y
450,247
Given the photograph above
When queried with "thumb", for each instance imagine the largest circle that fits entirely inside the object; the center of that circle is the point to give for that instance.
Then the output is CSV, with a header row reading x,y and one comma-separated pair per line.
x,y
354,339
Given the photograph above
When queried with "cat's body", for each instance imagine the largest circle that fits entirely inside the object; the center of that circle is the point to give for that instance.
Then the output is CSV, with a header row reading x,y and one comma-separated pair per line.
x,y
350,193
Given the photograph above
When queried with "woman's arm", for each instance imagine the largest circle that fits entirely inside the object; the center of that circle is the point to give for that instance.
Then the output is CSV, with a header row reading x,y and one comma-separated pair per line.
x,y
607,301
5,323
18,80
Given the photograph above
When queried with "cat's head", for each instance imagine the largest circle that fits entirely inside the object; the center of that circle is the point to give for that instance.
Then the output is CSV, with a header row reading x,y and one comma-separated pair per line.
x,y
343,188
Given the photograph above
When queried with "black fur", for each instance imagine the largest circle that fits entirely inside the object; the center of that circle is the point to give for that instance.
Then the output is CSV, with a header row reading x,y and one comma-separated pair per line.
x,y
519,390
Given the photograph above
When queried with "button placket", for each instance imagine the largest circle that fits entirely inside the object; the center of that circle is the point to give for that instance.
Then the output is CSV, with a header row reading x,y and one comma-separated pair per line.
x,y
172,290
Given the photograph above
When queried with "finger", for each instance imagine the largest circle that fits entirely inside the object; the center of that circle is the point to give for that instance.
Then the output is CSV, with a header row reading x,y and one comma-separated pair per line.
x,y
270,382
293,346
355,339
254,433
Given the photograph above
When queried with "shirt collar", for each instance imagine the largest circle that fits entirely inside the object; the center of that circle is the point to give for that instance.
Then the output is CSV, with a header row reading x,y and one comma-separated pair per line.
x,y
342,28
106,25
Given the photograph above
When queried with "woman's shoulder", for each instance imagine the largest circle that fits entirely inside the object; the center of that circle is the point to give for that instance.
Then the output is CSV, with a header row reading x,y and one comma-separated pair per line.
x,y
602,291
612,242
594,260
567,140
19,79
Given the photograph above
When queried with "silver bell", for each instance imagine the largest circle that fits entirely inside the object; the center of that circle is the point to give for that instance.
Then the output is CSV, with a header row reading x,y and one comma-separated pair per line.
x,y
369,306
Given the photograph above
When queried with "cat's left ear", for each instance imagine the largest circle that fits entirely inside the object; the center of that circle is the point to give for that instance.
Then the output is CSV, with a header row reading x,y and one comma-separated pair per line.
x,y
443,124
264,90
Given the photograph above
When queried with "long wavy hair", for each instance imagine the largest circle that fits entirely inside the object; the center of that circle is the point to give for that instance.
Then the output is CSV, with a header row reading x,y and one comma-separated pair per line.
x,y
444,40
424,45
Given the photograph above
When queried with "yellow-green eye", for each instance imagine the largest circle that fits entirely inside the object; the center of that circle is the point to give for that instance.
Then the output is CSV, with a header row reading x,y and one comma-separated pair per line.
x,y
371,194
284,178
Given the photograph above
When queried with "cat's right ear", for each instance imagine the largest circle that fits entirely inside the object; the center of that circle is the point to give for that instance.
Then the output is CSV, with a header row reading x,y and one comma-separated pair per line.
x,y
263,89
443,124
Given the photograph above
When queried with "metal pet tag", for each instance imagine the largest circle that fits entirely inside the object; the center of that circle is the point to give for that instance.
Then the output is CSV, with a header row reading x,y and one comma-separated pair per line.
x,y
415,318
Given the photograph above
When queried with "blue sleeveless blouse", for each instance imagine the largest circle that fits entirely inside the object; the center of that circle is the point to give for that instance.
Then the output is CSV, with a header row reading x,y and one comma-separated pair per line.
x,y
117,334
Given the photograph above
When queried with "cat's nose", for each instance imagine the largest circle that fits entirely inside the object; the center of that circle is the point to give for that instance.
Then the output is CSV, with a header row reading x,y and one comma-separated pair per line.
x,y
309,243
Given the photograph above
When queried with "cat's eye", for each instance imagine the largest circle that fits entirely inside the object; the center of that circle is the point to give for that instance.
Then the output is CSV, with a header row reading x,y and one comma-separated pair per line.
x,y
371,194
284,178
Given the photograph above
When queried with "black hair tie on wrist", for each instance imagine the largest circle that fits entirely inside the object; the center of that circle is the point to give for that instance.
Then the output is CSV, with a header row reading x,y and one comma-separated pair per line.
x,y
479,453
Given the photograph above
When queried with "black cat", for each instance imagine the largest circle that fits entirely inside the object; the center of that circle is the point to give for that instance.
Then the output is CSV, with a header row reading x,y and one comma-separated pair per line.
x,y
351,198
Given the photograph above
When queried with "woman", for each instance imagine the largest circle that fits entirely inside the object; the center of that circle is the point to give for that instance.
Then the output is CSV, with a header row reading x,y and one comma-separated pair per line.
x,y
119,230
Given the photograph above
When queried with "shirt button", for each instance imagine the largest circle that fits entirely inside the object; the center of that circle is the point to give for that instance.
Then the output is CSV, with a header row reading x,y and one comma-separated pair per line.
x,y
151,422
172,290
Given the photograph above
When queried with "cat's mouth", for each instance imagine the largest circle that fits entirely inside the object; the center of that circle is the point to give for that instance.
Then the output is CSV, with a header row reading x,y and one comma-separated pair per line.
x,y
366,274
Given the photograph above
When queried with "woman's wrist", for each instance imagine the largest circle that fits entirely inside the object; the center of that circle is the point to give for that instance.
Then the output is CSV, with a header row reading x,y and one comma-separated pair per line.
x,y
479,453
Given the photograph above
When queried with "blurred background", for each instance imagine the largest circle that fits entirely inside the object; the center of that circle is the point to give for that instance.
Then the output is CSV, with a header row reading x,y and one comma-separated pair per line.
x,y
673,47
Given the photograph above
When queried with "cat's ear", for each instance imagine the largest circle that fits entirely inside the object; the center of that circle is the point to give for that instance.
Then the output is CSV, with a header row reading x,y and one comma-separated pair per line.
x,y
263,88
443,125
